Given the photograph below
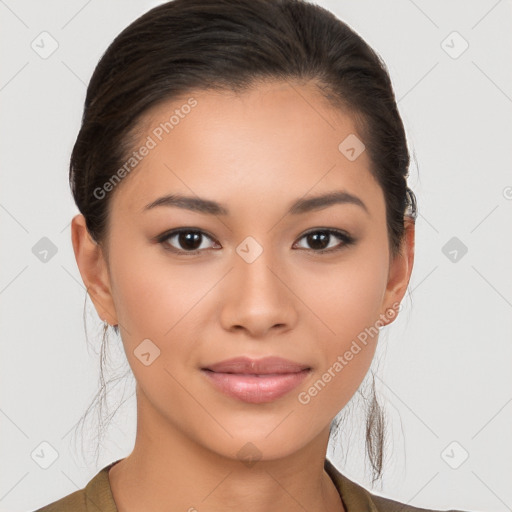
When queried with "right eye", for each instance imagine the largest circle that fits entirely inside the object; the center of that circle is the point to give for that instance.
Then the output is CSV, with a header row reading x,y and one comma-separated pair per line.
x,y
188,238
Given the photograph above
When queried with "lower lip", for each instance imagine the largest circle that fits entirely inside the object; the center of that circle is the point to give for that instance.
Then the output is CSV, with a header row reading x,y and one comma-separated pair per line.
x,y
256,389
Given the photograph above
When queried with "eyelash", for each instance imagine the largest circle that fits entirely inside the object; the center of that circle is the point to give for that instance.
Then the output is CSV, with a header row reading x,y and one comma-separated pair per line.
x,y
346,239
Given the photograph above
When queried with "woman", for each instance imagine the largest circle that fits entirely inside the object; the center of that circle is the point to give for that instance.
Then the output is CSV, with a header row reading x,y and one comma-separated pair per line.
x,y
246,227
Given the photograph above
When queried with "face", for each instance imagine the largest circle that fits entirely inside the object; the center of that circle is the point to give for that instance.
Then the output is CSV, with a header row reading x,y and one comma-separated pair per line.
x,y
254,275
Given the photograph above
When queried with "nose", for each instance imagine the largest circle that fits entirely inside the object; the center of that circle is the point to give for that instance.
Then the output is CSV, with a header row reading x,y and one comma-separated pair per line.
x,y
258,298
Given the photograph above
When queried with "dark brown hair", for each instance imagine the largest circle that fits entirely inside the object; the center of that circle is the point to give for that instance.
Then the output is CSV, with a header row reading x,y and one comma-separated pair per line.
x,y
187,45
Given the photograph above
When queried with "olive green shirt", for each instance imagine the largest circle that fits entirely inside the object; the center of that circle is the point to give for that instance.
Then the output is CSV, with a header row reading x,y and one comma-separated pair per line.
x,y
97,496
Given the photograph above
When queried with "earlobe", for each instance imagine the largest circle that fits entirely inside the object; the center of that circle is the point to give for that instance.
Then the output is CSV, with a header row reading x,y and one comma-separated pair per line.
x,y
400,272
93,269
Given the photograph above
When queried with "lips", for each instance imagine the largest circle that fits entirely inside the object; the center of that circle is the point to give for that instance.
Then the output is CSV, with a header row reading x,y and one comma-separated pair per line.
x,y
256,380
265,366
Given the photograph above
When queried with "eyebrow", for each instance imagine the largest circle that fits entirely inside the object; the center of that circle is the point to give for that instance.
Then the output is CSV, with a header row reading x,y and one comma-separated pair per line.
x,y
300,206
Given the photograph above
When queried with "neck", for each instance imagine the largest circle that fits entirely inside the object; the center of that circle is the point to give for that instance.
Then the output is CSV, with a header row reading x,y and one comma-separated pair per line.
x,y
168,470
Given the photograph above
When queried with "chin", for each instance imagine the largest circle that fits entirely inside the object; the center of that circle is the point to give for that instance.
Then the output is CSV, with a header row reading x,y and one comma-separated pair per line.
x,y
258,440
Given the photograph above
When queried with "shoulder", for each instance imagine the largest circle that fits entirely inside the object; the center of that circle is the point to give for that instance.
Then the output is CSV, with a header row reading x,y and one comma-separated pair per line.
x,y
388,505
96,495
356,498
75,502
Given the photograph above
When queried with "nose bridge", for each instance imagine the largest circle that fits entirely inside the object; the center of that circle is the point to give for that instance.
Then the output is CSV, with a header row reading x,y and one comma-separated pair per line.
x,y
255,269
257,298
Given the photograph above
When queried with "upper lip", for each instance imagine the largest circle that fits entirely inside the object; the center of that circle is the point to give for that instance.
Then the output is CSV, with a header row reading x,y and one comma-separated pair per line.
x,y
266,365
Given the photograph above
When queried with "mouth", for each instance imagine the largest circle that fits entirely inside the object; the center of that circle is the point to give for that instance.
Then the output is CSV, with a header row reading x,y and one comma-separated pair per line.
x,y
256,381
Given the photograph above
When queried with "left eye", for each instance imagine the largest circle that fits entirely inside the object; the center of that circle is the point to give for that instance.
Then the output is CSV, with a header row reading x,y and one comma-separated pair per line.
x,y
320,236
191,241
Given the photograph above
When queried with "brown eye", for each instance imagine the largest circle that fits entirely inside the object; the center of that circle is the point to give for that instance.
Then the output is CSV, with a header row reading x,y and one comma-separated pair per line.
x,y
321,240
186,240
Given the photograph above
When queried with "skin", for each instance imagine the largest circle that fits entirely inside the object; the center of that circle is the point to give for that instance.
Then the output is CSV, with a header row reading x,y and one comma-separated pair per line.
x,y
255,152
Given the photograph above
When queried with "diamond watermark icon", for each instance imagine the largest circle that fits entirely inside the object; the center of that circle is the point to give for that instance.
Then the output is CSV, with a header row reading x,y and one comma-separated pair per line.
x,y
44,455
454,45
249,249
44,45
146,352
249,454
454,249
44,249
454,455
351,147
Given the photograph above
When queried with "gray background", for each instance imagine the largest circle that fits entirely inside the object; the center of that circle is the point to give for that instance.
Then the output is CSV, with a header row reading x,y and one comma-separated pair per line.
x,y
444,367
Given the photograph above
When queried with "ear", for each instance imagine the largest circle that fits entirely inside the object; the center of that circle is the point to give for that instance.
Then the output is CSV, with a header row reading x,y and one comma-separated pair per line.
x,y
93,269
400,270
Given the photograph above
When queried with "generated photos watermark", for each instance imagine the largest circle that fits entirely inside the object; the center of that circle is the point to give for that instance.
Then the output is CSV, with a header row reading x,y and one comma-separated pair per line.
x,y
151,142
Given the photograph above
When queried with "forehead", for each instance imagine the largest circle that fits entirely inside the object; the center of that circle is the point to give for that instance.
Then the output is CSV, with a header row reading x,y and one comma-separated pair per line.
x,y
264,146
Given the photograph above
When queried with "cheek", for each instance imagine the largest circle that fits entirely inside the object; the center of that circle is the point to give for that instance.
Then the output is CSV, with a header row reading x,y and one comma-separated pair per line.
x,y
160,301
348,296
154,301
152,294
348,301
